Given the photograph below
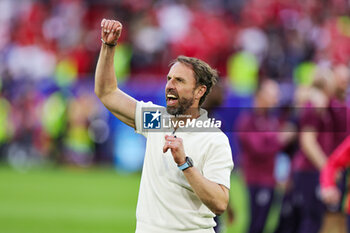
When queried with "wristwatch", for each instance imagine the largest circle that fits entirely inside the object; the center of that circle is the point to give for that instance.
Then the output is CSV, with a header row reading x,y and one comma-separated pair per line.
x,y
187,164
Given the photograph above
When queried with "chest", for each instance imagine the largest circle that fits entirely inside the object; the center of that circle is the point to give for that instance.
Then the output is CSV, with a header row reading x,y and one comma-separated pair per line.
x,y
163,164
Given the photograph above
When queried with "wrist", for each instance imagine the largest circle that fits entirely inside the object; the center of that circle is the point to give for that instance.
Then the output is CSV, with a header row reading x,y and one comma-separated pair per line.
x,y
188,163
108,49
182,162
110,45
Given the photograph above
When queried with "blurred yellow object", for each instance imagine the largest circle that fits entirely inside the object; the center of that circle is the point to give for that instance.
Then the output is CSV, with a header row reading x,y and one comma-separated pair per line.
x,y
243,73
303,74
54,115
66,72
6,131
122,59
343,25
78,139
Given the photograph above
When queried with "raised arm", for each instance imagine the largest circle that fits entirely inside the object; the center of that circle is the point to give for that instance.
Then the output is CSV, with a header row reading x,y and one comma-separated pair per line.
x,y
106,87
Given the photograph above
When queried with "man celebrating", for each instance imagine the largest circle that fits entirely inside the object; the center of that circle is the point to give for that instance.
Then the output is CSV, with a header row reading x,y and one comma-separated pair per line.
x,y
186,177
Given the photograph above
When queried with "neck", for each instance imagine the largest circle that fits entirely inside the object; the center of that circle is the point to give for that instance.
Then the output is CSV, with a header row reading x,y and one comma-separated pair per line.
x,y
192,113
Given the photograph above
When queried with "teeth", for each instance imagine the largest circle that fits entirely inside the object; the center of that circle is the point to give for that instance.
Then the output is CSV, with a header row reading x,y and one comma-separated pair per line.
x,y
171,96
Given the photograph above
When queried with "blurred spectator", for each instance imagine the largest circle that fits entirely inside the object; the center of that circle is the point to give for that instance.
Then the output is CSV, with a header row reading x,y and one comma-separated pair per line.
x,y
316,143
261,138
54,123
340,117
338,161
284,33
78,144
338,105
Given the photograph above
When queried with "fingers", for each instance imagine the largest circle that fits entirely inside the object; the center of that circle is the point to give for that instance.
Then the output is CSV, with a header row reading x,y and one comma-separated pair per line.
x,y
113,26
117,26
103,22
172,138
104,25
168,146
110,30
165,148
171,142
110,25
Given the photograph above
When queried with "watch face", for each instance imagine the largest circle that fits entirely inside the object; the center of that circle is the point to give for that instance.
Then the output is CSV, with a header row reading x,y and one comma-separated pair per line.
x,y
189,161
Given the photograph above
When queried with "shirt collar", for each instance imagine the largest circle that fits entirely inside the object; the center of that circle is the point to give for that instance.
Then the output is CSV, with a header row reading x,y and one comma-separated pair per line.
x,y
203,115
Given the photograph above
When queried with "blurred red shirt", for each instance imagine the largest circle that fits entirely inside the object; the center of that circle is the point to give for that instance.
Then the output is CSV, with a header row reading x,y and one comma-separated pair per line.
x,y
258,137
319,120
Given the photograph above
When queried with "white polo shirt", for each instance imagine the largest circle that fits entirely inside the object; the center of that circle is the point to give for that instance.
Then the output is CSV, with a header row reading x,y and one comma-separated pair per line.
x,y
166,202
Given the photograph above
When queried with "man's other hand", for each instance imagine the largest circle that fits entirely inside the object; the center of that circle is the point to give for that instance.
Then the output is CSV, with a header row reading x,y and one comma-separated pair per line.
x,y
176,147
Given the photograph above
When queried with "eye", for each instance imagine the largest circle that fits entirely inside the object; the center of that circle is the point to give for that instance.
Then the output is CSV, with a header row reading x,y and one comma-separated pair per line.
x,y
180,80
168,78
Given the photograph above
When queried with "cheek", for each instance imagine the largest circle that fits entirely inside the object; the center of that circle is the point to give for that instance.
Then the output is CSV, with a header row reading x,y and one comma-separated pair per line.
x,y
186,92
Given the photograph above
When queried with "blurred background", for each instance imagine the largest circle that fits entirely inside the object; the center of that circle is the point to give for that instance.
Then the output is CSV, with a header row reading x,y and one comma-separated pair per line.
x,y
68,165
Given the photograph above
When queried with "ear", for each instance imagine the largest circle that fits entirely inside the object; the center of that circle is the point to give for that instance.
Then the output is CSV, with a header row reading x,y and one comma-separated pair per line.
x,y
200,90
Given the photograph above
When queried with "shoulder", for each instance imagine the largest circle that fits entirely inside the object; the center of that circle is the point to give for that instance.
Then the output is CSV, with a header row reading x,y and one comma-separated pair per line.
x,y
144,112
149,104
144,107
217,139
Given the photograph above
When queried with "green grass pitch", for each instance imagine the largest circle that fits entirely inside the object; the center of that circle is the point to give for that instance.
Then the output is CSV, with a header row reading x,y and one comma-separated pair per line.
x,y
67,200
70,200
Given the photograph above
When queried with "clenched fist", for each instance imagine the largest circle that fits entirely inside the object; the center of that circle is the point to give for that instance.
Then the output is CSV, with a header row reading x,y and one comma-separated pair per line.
x,y
110,31
177,149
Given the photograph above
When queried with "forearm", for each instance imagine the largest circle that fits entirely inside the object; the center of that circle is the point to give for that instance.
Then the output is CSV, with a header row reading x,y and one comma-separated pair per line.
x,y
213,195
105,79
313,150
328,175
338,161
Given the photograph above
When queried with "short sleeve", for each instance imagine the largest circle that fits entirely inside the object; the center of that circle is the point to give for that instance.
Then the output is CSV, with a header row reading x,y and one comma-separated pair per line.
x,y
139,116
309,117
219,164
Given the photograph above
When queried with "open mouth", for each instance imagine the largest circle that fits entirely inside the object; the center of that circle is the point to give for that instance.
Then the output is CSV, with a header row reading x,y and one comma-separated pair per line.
x,y
171,99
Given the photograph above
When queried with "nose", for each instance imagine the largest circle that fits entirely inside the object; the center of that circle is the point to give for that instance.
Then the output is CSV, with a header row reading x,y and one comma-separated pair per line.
x,y
169,85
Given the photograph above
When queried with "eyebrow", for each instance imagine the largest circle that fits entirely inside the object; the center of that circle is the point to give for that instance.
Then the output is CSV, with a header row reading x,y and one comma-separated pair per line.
x,y
177,77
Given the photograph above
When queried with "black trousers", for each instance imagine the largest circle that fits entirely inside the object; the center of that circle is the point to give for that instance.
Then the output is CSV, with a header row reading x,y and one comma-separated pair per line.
x,y
260,202
302,209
